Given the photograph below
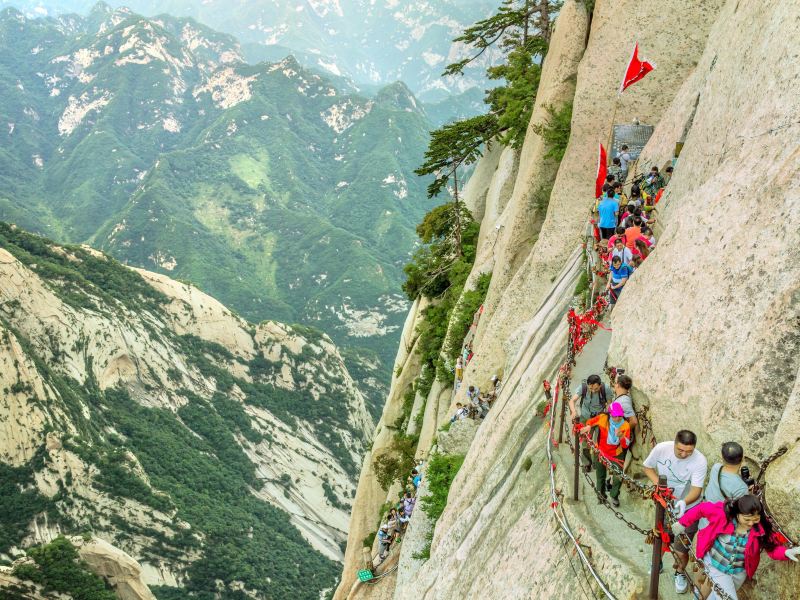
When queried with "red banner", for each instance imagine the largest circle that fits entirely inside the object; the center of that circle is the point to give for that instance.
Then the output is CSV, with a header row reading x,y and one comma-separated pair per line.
x,y
636,70
602,171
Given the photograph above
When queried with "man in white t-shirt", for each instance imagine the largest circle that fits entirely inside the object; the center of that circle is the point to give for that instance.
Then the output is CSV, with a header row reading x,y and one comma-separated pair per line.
x,y
685,469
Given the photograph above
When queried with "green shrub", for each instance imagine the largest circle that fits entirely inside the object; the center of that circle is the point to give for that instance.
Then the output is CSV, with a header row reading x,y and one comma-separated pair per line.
x,y
396,462
556,131
59,569
439,475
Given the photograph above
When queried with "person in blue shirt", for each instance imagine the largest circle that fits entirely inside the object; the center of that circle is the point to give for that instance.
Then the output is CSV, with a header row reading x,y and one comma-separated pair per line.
x,y
617,278
416,477
608,209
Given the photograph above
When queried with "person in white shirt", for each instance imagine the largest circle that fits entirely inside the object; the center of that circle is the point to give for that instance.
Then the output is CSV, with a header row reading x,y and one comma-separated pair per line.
x,y
685,469
625,255
624,158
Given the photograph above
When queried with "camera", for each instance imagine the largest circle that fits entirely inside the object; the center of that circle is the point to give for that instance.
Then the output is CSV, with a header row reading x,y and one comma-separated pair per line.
x,y
745,475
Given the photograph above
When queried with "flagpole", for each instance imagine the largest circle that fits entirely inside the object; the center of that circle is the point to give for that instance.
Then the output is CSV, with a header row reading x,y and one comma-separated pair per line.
x,y
611,131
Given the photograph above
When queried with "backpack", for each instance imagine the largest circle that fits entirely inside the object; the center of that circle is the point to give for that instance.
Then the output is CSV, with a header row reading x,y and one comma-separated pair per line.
x,y
585,390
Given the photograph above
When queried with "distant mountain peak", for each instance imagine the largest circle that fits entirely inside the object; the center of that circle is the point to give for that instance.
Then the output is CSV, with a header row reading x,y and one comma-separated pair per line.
x,y
399,96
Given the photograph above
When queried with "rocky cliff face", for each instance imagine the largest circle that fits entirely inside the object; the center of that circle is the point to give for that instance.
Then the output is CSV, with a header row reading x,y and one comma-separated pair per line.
x,y
141,409
707,328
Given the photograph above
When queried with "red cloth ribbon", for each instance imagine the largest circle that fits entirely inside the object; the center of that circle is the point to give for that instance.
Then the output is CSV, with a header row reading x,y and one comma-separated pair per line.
x,y
665,539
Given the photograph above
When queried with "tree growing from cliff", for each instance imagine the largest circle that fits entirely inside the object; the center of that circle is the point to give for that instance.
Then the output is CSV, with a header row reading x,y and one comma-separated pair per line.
x,y
521,30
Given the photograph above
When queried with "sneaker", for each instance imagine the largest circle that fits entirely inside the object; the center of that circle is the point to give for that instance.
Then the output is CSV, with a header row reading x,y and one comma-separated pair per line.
x,y
681,583
615,502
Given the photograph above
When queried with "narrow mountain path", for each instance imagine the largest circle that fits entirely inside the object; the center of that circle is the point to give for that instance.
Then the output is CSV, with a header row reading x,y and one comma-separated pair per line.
x,y
616,537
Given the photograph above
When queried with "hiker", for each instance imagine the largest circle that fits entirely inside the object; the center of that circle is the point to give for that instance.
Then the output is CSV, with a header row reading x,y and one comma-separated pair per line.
x,y
636,195
403,518
621,250
393,523
465,354
647,233
633,231
461,413
730,546
416,478
614,439
624,159
619,232
622,394
408,503
619,194
616,168
593,395
626,214
640,250
618,277
384,541
724,480
496,383
473,393
685,469
654,182
668,175
459,371
608,209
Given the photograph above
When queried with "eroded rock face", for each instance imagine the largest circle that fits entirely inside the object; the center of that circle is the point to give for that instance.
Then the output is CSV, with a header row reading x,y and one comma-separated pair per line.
x,y
721,351
52,350
115,566
616,26
369,494
709,328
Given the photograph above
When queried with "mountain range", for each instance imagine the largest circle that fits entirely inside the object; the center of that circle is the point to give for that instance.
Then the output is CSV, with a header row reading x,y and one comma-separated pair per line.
x,y
266,185
218,453
371,42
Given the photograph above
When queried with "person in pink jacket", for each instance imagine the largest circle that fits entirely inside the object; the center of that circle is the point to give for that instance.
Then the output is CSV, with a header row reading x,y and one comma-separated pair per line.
x,y
731,544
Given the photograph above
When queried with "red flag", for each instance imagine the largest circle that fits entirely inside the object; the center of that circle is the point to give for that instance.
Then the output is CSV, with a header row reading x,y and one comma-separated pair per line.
x,y
636,70
602,171
658,196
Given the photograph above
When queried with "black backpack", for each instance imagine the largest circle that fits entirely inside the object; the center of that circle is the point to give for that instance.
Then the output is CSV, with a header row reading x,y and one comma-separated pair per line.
x,y
585,390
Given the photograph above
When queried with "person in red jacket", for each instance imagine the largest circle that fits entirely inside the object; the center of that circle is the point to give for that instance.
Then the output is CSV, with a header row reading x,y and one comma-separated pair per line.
x,y
730,545
615,437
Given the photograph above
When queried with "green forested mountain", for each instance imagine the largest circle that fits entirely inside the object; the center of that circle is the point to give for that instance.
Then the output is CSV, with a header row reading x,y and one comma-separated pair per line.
x,y
219,454
372,43
265,185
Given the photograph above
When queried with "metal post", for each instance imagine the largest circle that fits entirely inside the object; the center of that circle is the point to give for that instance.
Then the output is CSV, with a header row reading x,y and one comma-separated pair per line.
x,y
564,395
576,475
655,564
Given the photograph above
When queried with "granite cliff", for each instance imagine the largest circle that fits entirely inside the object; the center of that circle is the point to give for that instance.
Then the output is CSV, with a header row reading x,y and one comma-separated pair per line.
x,y
707,328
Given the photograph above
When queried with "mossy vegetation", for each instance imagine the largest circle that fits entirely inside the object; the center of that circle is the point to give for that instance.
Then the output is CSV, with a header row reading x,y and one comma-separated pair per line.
x,y
58,568
441,470
556,131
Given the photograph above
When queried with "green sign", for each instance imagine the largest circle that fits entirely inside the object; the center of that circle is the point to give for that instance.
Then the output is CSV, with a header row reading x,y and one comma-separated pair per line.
x,y
365,575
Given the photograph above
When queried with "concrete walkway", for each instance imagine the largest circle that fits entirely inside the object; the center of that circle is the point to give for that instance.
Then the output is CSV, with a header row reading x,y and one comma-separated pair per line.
x,y
626,544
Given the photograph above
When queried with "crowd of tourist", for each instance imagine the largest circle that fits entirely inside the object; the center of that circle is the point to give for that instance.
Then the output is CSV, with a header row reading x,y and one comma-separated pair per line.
x,y
478,404
393,528
717,507
625,236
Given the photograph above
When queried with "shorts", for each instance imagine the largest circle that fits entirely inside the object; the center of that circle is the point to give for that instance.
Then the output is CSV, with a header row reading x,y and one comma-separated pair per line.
x,y
690,532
